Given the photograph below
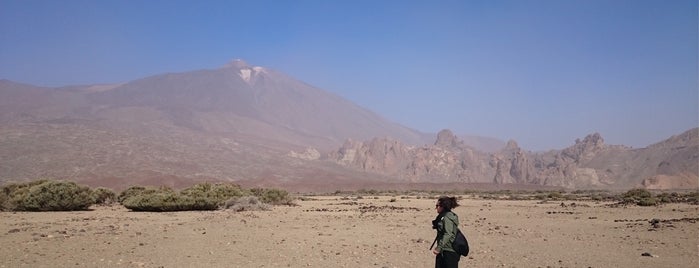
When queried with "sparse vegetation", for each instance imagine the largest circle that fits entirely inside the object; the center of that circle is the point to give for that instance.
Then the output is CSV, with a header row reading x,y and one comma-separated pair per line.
x,y
15,191
204,196
161,201
273,196
3,199
47,195
650,201
641,197
246,203
218,193
133,191
104,196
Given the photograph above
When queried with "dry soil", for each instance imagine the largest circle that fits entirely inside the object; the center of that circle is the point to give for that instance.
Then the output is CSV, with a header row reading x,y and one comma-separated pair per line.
x,y
385,231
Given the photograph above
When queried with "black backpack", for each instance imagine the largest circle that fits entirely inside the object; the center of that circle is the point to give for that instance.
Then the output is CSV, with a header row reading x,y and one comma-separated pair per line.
x,y
460,244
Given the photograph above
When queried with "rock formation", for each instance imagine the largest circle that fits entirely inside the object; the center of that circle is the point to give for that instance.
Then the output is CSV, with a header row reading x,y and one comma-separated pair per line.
x,y
589,163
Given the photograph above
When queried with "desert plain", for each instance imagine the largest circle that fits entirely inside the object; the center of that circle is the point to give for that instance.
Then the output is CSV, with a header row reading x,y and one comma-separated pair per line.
x,y
351,231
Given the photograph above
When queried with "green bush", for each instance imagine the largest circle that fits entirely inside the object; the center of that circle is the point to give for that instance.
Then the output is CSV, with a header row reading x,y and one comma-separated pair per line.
x,y
104,196
649,201
51,196
130,192
139,190
204,196
634,196
4,197
637,194
273,196
12,192
219,193
168,201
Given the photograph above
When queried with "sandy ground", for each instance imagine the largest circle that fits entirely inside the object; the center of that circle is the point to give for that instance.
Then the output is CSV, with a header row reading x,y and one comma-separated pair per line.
x,y
367,232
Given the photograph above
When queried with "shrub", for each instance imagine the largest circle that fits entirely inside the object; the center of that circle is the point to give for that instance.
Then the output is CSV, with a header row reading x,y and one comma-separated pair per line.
x,y
4,197
273,196
51,196
167,201
219,193
637,194
130,192
634,196
139,190
104,196
692,198
555,195
12,192
245,203
649,201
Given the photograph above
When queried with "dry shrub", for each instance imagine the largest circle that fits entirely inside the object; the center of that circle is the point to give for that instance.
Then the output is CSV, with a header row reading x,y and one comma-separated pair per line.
x,y
3,199
47,195
646,202
168,201
104,196
140,190
692,198
15,191
273,196
641,197
219,193
246,203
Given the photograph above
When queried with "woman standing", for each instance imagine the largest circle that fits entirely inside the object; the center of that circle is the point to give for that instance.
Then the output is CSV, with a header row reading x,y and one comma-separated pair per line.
x,y
446,225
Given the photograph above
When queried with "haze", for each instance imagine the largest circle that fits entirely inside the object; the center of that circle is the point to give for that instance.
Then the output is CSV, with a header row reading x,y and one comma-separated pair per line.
x,y
543,73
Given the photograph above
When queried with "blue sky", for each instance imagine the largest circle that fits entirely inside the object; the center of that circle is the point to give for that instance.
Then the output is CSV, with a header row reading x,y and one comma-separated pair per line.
x,y
543,73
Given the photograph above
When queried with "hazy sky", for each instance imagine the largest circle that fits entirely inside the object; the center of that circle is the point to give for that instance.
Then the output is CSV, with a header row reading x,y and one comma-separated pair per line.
x,y
540,72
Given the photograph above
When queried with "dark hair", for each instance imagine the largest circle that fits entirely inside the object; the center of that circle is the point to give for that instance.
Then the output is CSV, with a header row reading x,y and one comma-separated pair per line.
x,y
447,203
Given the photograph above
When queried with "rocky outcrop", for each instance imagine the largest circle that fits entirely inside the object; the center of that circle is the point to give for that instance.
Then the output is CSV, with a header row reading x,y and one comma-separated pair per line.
x,y
447,160
446,139
589,163
309,154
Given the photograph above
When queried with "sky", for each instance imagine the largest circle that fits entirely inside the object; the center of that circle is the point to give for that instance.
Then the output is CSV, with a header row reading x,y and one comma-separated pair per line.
x,y
542,73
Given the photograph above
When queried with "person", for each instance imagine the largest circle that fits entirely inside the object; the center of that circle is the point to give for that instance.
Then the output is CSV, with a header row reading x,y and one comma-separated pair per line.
x,y
446,224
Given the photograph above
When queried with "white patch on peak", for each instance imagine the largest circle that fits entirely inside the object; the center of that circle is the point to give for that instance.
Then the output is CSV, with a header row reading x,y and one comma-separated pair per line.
x,y
248,73
245,74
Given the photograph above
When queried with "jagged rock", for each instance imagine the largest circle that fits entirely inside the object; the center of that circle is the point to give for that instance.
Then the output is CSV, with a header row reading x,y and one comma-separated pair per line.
x,y
585,149
589,163
446,139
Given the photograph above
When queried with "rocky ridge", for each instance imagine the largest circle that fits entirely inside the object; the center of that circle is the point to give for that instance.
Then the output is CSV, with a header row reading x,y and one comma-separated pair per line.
x,y
589,163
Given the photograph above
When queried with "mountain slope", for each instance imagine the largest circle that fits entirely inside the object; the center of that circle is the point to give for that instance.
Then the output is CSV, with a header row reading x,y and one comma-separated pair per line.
x,y
237,122
265,102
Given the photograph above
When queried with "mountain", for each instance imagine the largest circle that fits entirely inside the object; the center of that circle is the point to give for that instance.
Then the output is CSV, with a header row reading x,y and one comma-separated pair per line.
x,y
250,100
588,164
256,126
238,122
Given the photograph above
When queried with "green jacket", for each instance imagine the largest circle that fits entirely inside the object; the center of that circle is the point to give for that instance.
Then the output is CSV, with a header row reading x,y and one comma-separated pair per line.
x,y
446,231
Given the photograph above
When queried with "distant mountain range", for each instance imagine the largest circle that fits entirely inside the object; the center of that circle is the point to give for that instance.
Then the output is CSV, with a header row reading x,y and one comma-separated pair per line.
x,y
257,126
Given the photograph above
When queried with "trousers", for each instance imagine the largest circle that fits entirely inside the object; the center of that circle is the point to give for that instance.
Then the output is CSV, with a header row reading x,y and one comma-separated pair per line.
x,y
447,259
